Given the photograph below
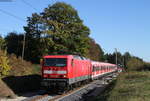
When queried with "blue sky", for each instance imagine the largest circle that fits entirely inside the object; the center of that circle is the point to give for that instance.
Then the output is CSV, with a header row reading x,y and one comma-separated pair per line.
x,y
121,24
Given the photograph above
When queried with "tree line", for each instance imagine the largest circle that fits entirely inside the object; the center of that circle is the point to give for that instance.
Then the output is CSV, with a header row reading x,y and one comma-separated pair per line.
x,y
58,29
127,61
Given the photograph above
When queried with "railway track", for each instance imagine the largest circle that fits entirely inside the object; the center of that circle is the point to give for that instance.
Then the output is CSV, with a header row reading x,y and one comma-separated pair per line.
x,y
76,94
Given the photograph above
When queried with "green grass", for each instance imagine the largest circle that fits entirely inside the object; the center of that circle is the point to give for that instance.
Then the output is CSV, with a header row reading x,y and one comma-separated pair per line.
x,y
36,69
131,86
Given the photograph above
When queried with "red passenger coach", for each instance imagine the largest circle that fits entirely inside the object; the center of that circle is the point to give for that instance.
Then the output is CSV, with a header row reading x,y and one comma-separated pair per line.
x,y
100,69
64,70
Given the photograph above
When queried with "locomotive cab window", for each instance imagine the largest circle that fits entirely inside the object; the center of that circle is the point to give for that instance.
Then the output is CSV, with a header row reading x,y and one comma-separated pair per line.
x,y
58,62
72,62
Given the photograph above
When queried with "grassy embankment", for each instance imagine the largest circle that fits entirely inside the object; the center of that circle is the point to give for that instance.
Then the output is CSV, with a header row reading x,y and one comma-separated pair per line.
x,y
130,86
23,77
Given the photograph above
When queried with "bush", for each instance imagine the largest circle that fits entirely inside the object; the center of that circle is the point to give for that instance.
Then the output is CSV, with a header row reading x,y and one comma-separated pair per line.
x,y
2,43
4,64
19,66
146,66
135,64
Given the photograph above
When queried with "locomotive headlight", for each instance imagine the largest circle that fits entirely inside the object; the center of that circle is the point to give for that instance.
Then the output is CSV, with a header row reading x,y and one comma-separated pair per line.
x,y
45,76
47,72
64,76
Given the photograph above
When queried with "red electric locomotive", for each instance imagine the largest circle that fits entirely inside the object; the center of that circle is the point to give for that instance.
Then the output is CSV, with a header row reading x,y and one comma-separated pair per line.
x,y
64,70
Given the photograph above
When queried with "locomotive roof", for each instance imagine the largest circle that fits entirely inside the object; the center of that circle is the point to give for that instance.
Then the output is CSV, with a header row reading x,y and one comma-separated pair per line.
x,y
65,56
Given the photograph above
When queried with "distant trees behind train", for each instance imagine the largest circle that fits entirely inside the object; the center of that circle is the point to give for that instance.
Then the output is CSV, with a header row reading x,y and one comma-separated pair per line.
x,y
127,61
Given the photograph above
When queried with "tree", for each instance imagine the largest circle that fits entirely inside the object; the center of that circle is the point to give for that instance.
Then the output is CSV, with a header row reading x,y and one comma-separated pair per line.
x,y
111,58
119,58
4,64
57,30
95,51
2,43
14,43
135,64
126,57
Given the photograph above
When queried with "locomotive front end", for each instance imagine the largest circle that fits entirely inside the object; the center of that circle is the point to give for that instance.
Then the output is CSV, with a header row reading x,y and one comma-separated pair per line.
x,y
55,72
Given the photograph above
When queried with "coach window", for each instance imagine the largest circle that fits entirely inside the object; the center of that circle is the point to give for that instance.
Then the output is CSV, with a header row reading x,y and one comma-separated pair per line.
x,y
83,58
93,68
72,62
104,67
101,67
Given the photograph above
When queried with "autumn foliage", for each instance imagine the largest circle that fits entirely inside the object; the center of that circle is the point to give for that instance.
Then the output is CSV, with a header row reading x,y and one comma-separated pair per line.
x,y
4,64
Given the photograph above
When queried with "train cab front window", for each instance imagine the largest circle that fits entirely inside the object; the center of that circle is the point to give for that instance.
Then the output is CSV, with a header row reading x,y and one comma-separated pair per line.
x,y
57,62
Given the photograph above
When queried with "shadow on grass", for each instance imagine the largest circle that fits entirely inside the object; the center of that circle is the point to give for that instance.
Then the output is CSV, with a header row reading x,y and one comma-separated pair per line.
x,y
23,84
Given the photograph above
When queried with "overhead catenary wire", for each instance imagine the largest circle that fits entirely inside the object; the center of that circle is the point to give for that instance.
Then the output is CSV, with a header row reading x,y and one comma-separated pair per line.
x,y
12,15
20,19
31,6
54,1
27,3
